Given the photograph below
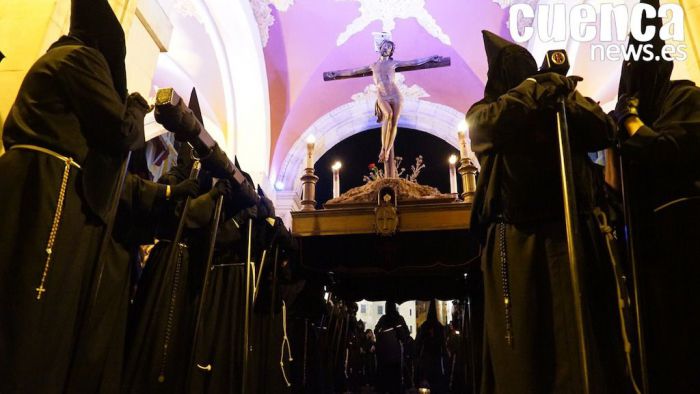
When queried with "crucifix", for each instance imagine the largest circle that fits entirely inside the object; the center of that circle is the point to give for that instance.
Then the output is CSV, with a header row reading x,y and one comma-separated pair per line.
x,y
389,98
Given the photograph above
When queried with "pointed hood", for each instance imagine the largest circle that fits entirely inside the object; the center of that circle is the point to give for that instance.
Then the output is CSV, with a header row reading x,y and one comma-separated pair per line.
x,y
390,308
648,80
432,312
266,206
509,65
93,22
193,105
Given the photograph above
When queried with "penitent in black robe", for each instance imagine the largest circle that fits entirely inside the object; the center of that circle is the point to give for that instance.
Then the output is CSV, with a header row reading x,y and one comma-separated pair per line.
x,y
162,314
67,103
532,347
664,168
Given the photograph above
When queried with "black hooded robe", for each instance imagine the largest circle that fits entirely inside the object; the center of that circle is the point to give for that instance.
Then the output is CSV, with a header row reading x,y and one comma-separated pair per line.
x,y
662,169
68,104
391,332
431,348
664,163
162,314
218,348
518,211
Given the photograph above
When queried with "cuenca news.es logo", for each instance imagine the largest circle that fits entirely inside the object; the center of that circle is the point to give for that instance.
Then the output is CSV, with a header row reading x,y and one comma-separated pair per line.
x,y
586,24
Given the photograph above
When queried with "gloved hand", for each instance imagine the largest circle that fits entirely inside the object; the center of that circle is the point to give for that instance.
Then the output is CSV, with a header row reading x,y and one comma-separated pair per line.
x,y
179,120
184,189
620,134
218,163
626,107
556,85
137,104
222,188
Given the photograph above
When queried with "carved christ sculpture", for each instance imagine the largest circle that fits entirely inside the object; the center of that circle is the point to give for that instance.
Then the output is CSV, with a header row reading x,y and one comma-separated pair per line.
x,y
389,98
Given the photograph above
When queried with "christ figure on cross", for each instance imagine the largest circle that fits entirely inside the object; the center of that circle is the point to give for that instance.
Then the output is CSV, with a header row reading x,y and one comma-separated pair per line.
x,y
389,98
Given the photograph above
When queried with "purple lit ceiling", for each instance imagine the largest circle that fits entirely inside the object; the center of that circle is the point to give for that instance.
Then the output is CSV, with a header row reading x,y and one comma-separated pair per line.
x,y
302,44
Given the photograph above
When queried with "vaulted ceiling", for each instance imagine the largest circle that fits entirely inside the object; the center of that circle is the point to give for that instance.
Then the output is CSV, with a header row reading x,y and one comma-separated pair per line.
x,y
307,39
300,39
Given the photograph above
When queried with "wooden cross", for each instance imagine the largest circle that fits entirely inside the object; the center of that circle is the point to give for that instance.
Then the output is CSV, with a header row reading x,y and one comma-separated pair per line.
x,y
333,76
389,100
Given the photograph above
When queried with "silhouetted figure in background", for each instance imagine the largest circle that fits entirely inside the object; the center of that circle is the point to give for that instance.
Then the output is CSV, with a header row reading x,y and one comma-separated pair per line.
x,y
431,353
369,357
391,331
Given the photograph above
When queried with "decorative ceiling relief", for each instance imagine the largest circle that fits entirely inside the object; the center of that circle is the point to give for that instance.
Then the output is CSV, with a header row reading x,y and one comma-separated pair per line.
x,y
522,22
413,92
387,11
187,9
282,5
262,10
507,3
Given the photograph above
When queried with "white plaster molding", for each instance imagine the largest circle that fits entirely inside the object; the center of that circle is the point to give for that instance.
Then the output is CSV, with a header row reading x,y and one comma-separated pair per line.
x,y
387,11
522,22
262,9
156,22
187,8
285,203
507,3
356,117
248,133
263,17
282,5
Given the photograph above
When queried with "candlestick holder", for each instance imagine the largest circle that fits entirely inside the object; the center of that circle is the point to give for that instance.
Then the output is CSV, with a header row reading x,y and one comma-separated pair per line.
x,y
308,198
468,171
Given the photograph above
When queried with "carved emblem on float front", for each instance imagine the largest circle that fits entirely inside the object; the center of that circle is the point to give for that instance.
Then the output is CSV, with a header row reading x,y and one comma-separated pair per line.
x,y
386,215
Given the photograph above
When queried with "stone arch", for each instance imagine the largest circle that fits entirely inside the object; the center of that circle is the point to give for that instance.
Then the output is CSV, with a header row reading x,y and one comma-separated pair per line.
x,y
357,116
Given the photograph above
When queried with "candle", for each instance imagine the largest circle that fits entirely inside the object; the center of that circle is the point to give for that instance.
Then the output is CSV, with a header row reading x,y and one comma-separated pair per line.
x,y
461,134
310,141
453,174
336,178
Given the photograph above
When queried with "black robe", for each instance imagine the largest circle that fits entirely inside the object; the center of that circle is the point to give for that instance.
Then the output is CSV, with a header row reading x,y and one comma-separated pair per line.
x,y
664,166
218,357
431,352
518,204
162,314
67,103
391,332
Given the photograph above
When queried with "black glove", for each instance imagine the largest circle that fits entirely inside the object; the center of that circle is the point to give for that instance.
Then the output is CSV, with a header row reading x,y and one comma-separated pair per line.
x,y
184,189
222,188
626,107
218,163
179,120
243,196
619,134
136,104
265,207
557,85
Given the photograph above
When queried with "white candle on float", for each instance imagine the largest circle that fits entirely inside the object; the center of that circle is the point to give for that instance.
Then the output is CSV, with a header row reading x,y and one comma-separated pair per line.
x,y
453,174
462,129
310,141
336,178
